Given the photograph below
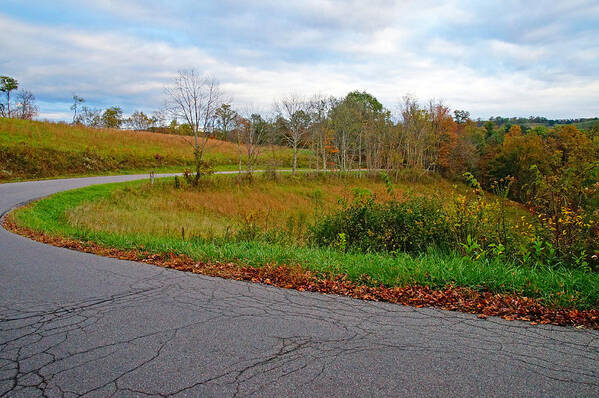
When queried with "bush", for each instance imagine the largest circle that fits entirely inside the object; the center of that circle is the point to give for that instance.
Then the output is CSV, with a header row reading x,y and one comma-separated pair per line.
x,y
367,226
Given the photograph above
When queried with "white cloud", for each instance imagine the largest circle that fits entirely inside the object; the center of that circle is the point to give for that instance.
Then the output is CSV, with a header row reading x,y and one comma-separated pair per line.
x,y
518,52
446,48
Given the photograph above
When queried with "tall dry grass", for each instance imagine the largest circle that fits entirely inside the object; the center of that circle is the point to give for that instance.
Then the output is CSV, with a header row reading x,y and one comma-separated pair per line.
x,y
32,149
224,206
62,136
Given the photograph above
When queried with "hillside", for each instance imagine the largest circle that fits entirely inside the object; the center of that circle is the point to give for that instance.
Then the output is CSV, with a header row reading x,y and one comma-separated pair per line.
x,y
31,149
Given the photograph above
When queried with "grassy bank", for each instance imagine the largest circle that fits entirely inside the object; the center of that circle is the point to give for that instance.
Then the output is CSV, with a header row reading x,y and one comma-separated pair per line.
x,y
73,214
32,150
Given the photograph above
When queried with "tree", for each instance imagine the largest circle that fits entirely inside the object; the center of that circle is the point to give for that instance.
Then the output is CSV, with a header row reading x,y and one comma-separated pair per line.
x,y
90,117
225,120
160,117
25,106
370,121
140,121
295,122
112,117
461,117
253,132
319,108
8,84
195,99
345,123
445,135
77,101
368,101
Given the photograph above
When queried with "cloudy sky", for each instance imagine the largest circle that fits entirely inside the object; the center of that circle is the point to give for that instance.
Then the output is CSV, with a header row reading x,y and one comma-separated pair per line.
x,y
504,57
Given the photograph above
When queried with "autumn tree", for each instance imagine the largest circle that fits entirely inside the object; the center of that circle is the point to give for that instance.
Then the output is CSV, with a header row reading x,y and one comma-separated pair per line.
x,y
320,133
445,135
112,117
416,135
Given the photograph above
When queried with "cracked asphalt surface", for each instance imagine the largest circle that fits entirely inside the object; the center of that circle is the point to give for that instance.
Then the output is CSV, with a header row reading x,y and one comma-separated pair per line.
x,y
74,324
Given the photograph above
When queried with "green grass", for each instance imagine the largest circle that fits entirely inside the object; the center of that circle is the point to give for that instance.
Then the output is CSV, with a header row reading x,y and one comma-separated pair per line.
x,y
34,150
554,287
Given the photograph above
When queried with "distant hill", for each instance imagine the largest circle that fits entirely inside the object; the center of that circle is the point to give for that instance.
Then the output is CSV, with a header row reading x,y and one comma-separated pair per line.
x,y
535,121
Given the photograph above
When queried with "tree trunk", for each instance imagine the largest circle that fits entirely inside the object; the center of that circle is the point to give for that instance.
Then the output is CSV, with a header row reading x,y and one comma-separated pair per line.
x,y
294,159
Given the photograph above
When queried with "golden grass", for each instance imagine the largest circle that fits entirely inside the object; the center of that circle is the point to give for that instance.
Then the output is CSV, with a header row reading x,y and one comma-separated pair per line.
x,y
224,207
62,136
31,149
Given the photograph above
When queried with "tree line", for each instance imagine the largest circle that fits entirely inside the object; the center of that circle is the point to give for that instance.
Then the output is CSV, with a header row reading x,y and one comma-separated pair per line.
x,y
536,120
112,117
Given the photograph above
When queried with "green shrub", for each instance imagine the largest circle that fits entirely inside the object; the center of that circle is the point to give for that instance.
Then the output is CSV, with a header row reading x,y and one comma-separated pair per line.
x,y
366,226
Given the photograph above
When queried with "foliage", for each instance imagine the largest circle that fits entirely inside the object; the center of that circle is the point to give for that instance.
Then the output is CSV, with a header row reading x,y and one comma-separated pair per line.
x,y
112,117
24,107
470,223
411,226
140,121
7,84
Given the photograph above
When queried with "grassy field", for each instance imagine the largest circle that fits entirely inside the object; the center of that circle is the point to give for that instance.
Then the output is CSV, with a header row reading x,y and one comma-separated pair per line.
x,y
32,150
287,203
137,215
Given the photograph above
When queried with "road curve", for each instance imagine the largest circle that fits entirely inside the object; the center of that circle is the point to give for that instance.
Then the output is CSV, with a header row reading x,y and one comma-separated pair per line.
x,y
75,324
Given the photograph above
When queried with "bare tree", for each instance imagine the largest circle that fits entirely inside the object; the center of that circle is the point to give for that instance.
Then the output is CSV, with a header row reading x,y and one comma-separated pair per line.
x,y
160,118
90,117
294,112
195,99
77,101
25,106
252,132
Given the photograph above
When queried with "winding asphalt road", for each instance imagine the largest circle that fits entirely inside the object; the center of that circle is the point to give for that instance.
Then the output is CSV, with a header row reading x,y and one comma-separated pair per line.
x,y
75,324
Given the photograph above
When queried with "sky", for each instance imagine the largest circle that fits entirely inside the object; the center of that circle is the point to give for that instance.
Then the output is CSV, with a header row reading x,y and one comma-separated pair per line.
x,y
505,57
